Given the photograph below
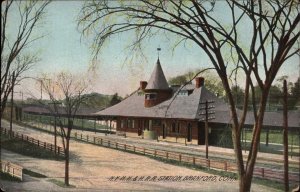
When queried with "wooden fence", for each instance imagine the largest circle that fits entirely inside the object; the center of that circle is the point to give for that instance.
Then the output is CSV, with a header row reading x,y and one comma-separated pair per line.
x,y
12,169
47,146
261,172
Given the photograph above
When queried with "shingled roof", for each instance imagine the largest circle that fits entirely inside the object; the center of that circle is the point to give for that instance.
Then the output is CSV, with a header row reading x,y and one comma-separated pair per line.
x,y
45,110
190,107
157,79
178,106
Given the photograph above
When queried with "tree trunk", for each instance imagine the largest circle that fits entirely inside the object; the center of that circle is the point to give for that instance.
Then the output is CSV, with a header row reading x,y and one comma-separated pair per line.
x,y
67,162
3,105
245,184
67,157
285,138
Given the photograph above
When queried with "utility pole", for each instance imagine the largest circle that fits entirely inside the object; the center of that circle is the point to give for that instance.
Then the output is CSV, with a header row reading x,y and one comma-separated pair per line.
x,y
55,133
206,130
285,137
12,104
41,81
208,116
55,124
41,89
22,105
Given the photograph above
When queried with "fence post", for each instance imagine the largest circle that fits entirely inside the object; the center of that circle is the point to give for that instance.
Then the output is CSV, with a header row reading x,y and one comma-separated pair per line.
x,y
75,135
125,147
117,145
155,153
22,137
81,136
133,148
225,166
44,144
194,160
101,141
94,140
108,143
263,172
167,155
51,147
208,163
179,157
38,141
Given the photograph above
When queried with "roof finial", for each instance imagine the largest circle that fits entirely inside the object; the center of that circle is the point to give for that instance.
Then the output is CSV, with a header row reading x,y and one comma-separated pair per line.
x,y
158,50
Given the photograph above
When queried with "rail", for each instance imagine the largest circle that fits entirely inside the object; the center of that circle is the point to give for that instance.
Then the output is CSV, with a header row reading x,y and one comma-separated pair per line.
x,y
12,169
47,146
260,172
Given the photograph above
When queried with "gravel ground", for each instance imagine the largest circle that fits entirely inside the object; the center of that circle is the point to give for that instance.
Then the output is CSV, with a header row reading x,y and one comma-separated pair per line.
x,y
91,167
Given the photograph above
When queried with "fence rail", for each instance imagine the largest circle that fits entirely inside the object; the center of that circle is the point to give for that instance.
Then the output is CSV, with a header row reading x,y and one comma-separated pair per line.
x,y
12,169
47,146
260,172
227,166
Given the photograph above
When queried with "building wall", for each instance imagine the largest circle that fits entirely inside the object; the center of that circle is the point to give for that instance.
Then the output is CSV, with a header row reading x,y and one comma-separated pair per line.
x,y
173,127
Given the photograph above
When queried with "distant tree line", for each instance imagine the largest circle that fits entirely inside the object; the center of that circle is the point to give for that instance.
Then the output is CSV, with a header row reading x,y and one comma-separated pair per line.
x,y
214,84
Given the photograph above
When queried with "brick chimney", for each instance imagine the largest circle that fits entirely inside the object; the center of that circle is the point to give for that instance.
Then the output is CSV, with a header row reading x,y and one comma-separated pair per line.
x,y
143,85
199,82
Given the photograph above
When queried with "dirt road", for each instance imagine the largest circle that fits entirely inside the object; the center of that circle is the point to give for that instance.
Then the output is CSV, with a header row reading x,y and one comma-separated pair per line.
x,y
94,168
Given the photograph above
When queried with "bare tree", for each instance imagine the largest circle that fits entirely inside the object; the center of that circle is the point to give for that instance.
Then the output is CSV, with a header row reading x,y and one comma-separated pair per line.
x,y
66,92
14,60
273,30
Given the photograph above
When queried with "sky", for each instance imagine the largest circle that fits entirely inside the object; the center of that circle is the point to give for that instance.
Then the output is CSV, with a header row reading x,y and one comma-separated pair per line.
x,y
63,48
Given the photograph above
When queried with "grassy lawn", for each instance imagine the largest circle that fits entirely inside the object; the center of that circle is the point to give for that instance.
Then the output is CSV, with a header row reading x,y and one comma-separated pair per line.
x,y
28,149
33,174
60,183
276,136
265,182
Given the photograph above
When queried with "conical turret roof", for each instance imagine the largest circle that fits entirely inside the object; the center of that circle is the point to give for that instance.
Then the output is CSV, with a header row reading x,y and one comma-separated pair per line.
x,y
157,79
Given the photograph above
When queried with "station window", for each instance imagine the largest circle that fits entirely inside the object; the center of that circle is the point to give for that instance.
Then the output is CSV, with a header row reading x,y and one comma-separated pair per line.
x,y
130,123
173,127
150,96
156,122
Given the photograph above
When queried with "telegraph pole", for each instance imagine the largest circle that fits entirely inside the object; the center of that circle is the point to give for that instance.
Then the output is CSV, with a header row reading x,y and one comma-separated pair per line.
x,y
12,104
207,113
206,130
55,133
55,124
41,81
